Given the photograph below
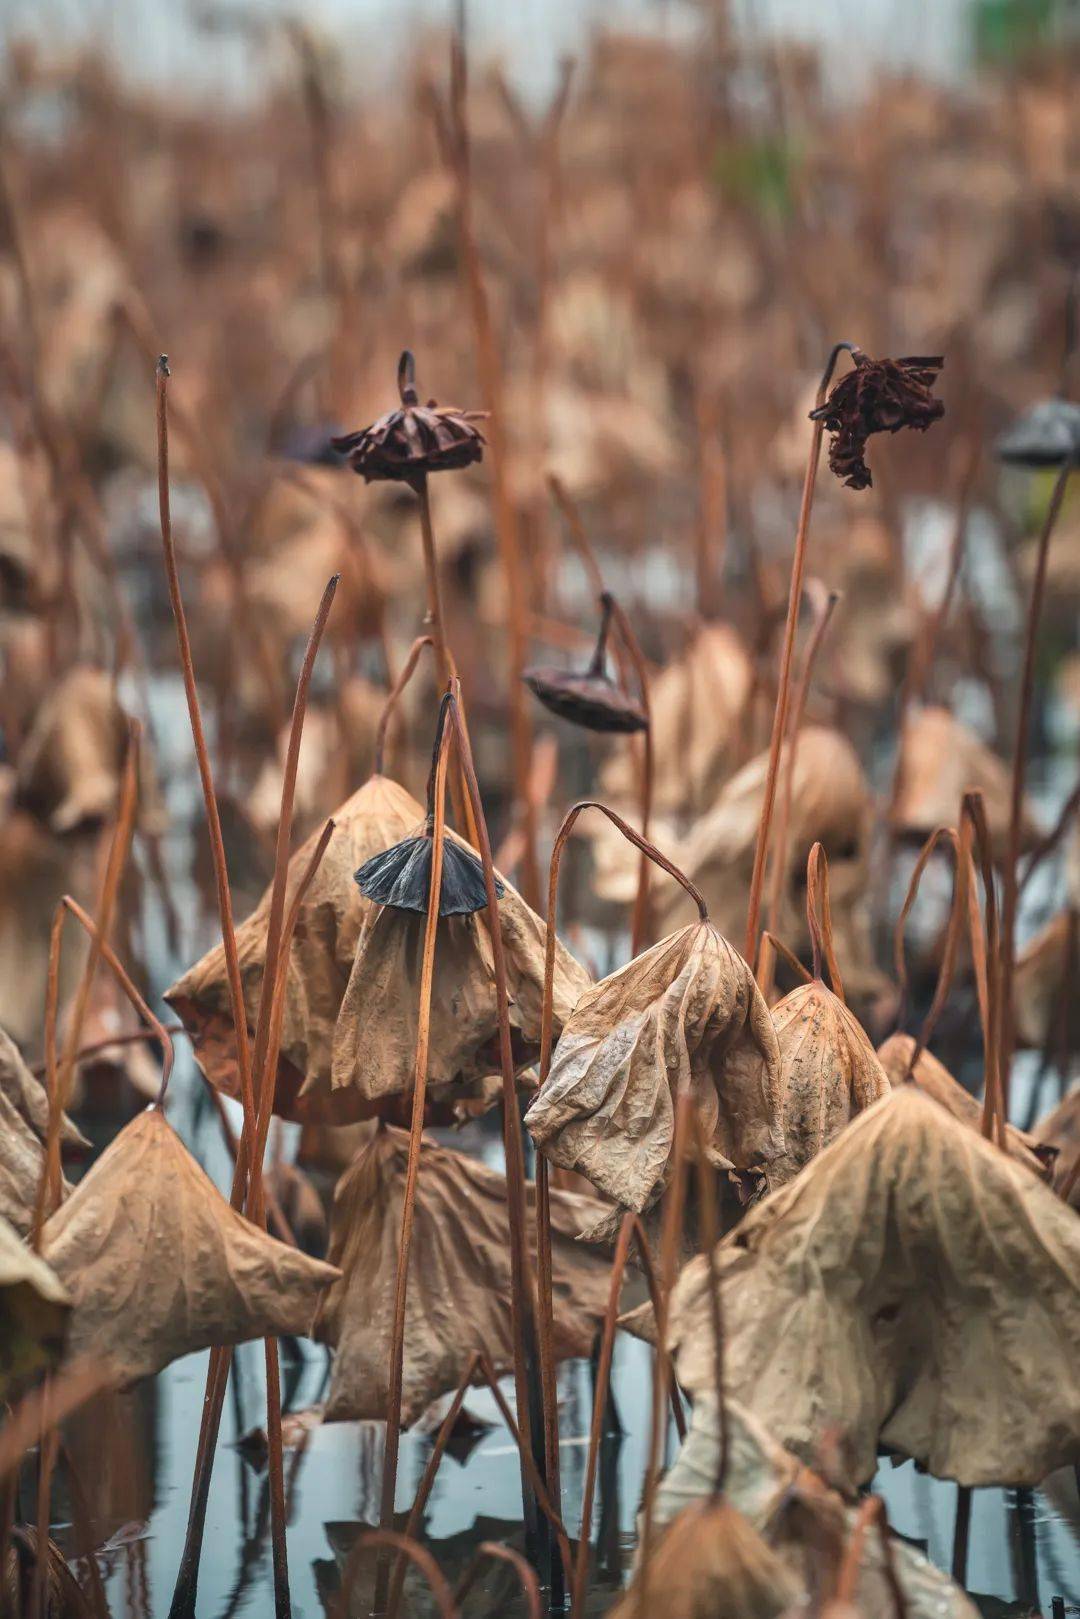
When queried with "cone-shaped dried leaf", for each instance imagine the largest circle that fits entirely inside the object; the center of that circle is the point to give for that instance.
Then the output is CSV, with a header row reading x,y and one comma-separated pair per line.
x,y
459,1277
34,1310
764,1482
831,805
829,1072
915,1288
1044,987
159,1265
378,815
709,1563
684,1014
1061,1129
401,877
941,760
28,1096
934,1078
696,703
375,1039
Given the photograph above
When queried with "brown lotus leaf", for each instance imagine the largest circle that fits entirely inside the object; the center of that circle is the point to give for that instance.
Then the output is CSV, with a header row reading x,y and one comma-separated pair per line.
x,y
941,760
378,815
709,1563
36,869
1045,983
158,1265
69,764
27,1095
684,1014
301,1205
375,1038
1061,1129
21,1158
829,1072
459,1279
915,1289
34,1311
697,704
64,1597
830,805
934,1078
801,1516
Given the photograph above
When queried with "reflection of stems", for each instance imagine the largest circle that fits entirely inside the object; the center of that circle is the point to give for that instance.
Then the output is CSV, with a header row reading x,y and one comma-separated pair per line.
x,y
823,614
408,1548
1010,892
416,1131
530,1586
798,564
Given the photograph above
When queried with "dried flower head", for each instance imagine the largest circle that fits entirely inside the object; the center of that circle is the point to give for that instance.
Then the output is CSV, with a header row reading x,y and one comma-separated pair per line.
x,y
408,443
591,699
401,877
878,396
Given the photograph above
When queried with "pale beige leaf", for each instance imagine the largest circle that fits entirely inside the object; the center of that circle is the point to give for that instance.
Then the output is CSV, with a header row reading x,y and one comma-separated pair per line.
x,y
34,1311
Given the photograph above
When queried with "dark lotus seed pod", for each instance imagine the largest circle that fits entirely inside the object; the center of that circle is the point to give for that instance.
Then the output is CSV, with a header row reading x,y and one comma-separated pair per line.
x,y
590,699
1046,435
408,443
401,877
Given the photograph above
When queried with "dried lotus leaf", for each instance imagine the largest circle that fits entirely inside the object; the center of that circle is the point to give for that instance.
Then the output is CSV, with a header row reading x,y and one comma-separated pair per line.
x,y
34,1311
158,1265
941,760
829,1072
934,1078
28,1096
22,1156
710,1561
1061,1129
375,1040
1047,1007
684,1014
914,1288
762,1478
459,1278
378,815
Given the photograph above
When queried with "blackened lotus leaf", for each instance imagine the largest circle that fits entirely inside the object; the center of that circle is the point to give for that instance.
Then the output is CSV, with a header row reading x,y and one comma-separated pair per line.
x,y
590,700
401,877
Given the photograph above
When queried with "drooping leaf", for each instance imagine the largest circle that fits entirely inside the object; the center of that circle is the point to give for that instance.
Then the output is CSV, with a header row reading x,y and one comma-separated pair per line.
x,y
34,1311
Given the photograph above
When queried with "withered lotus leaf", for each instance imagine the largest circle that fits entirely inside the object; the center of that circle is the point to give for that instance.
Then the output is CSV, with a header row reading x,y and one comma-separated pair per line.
x,y
1061,1129
914,1288
375,1039
34,1311
934,1078
459,1279
941,760
829,1072
709,1561
69,764
798,1513
21,1158
158,1265
28,1096
378,815
1044,986
684,1014
401,877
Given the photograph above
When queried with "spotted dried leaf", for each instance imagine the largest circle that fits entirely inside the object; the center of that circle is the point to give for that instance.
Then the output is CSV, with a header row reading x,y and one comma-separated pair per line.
x,y
684,1014
459,1278
829,1072
914,1289
158,1265
377,816
375,1038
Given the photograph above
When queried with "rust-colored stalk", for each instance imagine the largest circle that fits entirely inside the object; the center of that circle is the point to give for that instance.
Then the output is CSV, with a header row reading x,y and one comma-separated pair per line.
x,y
1010,891
819,919
393,697
995,1100
871,1514
640,923
416,1131
443,655
457,150
489,1550
825,603
798,564
710,1237
417,1554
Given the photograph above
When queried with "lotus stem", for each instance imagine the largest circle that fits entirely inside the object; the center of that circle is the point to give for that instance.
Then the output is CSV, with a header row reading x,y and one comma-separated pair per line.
x,y
825,604
1010,891
962,897
710,1236
491,1549
798,565
67,1390
995,1101
639,926
819,918
870,1514
408,1548
416,1131
394,697
961,1534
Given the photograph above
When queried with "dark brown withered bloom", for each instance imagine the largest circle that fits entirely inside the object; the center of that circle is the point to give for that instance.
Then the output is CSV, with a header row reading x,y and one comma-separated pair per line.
x,y
878,396
408,443
591,699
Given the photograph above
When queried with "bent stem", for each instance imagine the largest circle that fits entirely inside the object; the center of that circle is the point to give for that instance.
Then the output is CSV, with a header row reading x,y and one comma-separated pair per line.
x,y
819,919
393,697
491,1550
416,1131
798,564
417,1554
1010,891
